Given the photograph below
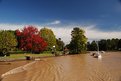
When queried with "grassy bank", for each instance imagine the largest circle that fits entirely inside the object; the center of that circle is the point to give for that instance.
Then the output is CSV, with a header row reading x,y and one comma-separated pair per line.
x,y
22,55
17,56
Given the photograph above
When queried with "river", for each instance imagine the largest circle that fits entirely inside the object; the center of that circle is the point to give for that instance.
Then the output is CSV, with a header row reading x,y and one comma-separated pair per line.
x,y
72,68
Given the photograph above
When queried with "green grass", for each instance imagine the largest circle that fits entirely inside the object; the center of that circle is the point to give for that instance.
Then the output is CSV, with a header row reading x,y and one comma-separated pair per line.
x,y
22,56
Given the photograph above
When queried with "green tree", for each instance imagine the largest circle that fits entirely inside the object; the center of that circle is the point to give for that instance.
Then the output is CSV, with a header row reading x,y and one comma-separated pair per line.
x,y
93,46
109,45
88,46
115,44
119,45
103,45
106,45
78,41
60,44
48,35
7,40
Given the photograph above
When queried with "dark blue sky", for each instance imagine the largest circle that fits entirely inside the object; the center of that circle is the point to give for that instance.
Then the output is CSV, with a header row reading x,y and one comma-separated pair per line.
x,y
105,14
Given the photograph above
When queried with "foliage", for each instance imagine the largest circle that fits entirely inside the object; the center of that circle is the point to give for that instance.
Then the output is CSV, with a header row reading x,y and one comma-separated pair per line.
x,y
7,42
60,44
7,39
78,41
119,45
30,40
105,45
49,37
92,46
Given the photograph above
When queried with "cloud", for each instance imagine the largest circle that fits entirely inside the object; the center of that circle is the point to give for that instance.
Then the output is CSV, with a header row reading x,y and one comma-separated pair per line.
x,y
16,26
93,33
11,26
64,32
54,22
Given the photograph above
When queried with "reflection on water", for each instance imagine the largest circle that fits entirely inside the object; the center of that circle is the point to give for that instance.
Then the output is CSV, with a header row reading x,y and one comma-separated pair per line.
x,y
73,68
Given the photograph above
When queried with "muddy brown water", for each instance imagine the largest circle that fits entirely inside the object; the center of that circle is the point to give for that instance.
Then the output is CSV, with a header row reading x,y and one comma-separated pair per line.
x,y
6,66
72,68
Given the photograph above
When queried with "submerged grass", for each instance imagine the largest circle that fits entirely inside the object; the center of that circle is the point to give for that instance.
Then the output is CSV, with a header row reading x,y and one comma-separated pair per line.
x,y
22,56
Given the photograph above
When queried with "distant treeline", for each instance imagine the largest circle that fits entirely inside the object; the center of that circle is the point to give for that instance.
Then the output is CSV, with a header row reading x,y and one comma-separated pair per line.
x,y
105,45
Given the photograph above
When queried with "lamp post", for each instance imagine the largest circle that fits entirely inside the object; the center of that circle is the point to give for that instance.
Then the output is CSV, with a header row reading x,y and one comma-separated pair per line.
x,y
54,50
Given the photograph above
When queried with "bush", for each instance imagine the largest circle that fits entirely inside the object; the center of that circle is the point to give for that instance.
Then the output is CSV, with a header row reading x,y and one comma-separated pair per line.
x,y
4,52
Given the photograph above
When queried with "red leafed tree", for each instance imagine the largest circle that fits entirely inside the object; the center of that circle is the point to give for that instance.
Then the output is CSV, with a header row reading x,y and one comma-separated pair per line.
x,y
30,40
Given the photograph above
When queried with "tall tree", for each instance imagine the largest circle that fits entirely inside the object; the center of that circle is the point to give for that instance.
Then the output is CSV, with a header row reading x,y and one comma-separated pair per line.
x,y
7,40
30,40
49,37
60,44
93,46
103,45
119,45
78,41
88,46
109,45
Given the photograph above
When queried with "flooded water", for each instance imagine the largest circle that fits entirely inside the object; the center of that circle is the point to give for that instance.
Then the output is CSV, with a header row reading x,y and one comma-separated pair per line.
x,y
73,68
6,66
